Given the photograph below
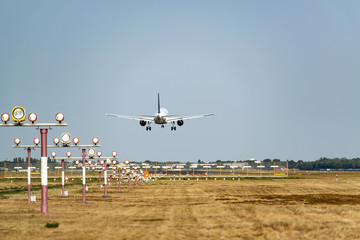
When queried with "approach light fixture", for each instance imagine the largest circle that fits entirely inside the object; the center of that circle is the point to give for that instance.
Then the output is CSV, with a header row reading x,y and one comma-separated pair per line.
x,y
102,162
92,168
76,140
77,162
89,162
56,140
65,138
114,162
114,153
91,152
99,153
5,117
32,117
68,154
18,114
53,154
36,141
95,140
127,162
59,117
114,168
17,141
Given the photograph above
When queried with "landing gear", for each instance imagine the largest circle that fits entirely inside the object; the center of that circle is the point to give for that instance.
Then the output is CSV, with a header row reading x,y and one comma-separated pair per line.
x,y
148,128
173,128
162,126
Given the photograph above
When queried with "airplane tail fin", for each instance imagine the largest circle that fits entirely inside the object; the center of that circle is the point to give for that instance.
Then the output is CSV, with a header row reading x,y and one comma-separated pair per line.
x,y
158,103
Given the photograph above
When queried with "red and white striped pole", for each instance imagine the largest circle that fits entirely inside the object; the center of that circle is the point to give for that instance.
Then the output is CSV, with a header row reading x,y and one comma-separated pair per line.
x,y
119,188
63,178
105,179
29,174
83,154
44,172
99,179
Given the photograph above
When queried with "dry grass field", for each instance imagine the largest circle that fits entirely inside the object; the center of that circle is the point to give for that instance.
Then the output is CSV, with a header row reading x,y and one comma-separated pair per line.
x,y
305,207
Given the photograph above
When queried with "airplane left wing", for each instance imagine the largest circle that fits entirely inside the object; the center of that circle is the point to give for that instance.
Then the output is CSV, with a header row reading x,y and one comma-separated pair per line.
x,y
189,117
130,117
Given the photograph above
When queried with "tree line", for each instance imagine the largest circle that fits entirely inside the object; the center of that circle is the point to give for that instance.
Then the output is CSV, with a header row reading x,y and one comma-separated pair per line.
x,y
322,163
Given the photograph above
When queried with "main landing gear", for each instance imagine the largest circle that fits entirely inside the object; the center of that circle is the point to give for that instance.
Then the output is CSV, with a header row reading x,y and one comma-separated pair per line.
x,y
173,127
148,128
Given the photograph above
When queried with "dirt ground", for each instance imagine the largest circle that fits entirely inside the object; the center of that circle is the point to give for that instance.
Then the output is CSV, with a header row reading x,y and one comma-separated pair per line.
x,y
304,207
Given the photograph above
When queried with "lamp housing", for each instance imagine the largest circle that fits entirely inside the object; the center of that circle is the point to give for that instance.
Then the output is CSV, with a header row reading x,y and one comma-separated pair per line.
x,y
91,152
76,140
59,117
18,114
56,140
32,117
36,141
5,117
17,141
95,140
65,138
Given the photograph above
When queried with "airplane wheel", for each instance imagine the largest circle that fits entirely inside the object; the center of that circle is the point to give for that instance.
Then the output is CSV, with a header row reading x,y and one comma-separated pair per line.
x,y
174,128
147,128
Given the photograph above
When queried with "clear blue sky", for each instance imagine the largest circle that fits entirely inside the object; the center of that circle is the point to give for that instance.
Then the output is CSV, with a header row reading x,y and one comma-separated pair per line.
x,y
282,76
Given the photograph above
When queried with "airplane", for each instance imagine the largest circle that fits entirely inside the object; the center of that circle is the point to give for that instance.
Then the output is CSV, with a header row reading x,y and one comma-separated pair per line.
x,y
161,118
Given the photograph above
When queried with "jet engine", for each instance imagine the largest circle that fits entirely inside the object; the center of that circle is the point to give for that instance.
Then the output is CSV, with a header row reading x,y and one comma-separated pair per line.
x,y
142,123
180,122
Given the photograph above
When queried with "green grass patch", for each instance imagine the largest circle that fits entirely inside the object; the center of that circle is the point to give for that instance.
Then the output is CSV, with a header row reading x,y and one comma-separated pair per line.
x,y
52,225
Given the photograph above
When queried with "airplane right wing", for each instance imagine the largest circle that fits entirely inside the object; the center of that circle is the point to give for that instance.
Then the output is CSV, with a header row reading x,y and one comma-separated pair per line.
x,y
189,117
130,117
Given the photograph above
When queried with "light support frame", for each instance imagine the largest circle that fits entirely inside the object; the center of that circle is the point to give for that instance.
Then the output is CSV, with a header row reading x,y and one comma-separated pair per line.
x,y
43,141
